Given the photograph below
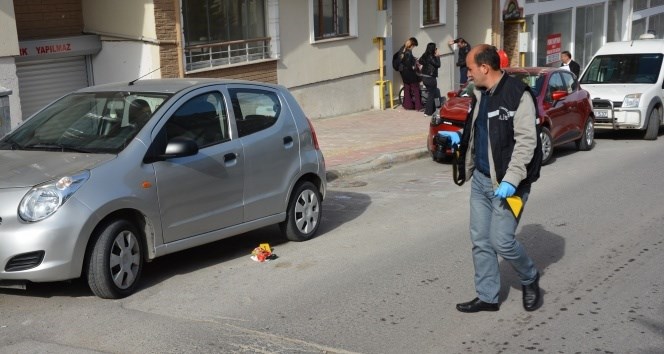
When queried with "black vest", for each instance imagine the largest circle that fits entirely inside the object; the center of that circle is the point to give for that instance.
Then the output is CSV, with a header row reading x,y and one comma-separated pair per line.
x,y
506,99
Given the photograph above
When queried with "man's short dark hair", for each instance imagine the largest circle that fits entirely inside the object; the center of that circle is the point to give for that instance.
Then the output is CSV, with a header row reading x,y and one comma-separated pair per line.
x,y
413,40
566,52
488,54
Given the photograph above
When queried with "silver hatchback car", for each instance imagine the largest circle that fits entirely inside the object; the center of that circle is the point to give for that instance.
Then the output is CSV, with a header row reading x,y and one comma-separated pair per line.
x,y
109,177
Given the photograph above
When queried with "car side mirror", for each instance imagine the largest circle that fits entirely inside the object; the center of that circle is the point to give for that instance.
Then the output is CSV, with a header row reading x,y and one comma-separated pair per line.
x,y
180,147
558,95
176,147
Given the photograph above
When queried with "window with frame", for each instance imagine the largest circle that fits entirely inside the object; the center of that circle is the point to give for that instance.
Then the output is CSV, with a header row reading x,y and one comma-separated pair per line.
x,y
331,18
224,32
430,12
254,110
202,119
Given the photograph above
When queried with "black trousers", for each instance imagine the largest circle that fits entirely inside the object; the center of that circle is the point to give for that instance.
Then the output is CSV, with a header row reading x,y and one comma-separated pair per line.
x,y
431,83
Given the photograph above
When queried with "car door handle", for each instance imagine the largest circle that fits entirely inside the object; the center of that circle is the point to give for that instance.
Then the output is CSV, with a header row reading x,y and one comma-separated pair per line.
x,y
230,157
288,141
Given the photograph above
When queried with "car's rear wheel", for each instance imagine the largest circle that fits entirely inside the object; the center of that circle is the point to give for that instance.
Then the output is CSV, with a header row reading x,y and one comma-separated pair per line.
x,y
587,140
304,213
115,260
653,125
547,145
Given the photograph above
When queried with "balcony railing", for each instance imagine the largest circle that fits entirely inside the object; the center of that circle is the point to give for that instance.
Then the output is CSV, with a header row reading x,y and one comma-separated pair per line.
x,y
209,55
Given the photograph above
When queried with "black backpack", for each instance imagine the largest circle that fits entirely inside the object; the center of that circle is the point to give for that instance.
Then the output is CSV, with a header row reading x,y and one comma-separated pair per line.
x,y
396,61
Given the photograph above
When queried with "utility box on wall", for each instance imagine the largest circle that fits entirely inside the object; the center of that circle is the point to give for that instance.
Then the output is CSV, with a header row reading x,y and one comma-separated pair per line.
x,y
5,119
524,41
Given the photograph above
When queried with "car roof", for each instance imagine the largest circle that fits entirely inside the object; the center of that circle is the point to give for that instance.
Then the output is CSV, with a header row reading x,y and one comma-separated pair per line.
x,y
168,85
637,46
533,70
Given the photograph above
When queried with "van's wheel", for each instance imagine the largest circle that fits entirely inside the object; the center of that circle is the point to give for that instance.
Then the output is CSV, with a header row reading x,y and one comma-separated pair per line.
x,y
115,261
653,125
547,145
587,140
304,213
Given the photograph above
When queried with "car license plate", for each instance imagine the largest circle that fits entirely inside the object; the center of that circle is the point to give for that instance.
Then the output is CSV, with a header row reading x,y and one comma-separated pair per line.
x,y
601,114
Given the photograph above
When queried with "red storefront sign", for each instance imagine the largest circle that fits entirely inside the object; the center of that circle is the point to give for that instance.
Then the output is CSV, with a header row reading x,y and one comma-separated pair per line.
x,y
553,45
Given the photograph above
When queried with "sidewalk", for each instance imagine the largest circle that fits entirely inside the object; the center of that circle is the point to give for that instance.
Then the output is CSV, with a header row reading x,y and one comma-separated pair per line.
x,y
371,140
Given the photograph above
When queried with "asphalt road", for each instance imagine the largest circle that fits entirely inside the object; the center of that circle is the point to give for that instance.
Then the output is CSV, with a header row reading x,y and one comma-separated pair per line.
x,y
391,260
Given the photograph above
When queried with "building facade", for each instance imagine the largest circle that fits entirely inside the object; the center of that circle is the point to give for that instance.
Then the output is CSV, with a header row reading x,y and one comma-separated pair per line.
x,y
534,32
331,55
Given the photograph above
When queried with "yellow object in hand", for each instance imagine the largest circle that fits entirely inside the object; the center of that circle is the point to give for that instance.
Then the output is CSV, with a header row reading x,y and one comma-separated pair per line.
x,y
516,205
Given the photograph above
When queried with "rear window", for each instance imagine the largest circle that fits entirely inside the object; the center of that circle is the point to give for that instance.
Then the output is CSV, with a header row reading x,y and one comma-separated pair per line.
x,y
623,69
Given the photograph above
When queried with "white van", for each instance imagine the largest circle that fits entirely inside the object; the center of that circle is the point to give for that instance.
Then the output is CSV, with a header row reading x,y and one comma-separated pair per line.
x,y
625,81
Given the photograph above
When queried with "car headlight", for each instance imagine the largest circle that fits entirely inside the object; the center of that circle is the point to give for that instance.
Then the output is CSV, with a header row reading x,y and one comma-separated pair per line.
x,y
631,100
45,199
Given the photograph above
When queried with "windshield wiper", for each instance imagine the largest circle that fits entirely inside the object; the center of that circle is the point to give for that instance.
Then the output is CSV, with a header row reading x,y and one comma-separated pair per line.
x,y
60,147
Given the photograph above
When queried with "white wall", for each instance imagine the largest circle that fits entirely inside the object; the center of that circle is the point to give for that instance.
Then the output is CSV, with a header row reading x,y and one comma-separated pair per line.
x,y
125,61
331,77
128,34
132,18
9,49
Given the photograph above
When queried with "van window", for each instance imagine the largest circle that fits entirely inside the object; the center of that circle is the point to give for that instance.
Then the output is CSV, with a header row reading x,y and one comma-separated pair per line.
x,y
623,69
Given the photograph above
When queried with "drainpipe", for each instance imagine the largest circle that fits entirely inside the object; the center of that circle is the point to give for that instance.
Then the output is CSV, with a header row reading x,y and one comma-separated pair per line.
x,y
380,39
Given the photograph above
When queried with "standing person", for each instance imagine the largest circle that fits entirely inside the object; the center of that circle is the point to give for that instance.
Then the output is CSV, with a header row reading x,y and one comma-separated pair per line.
x,y
464,49
570,64
502,153
411,81
430,62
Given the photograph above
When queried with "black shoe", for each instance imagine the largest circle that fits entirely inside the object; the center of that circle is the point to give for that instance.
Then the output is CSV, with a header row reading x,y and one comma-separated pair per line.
x,y
477,305
531,295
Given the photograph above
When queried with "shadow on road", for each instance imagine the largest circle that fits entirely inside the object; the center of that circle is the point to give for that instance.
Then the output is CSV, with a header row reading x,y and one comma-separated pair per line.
x,y
544,247
338,208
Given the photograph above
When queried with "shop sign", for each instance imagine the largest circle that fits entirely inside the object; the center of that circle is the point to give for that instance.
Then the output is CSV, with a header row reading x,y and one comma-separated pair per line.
x,y
59,47
553,45
512,11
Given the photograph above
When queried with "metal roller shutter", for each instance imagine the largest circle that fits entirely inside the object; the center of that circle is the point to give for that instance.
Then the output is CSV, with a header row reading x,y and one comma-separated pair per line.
x,y
42,81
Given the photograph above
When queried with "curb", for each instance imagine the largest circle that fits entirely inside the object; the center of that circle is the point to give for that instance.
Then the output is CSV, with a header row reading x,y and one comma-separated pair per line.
x,y
381,162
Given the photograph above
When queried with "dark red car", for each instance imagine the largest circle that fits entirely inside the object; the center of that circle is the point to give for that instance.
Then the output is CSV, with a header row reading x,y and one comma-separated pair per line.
x,y
564,107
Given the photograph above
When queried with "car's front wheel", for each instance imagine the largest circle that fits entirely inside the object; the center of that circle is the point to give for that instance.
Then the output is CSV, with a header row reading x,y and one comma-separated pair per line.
x,y
652,129
587,140
115,260
547,145
304,213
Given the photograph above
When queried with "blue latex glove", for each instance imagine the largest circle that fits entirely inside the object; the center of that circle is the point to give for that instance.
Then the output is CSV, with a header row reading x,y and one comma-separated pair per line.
x,y
454,136
504,190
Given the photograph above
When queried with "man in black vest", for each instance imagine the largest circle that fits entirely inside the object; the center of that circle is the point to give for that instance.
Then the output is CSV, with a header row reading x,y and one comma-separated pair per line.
x,y
502,153
570,64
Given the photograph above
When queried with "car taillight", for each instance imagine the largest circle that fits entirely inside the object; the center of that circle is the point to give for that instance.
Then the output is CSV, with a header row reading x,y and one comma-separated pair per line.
x,y
313,135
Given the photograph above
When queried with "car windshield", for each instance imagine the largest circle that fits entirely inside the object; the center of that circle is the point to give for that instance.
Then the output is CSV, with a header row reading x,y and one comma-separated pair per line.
x,y
99,122
533,80
623,69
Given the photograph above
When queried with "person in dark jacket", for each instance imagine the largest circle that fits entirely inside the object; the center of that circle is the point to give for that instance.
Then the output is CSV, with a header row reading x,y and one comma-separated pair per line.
x,y
430,62
411,81
502,153
570,64
464,49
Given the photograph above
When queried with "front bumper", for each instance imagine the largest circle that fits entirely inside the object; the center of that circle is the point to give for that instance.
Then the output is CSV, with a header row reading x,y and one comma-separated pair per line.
x,y
52,249
607,116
